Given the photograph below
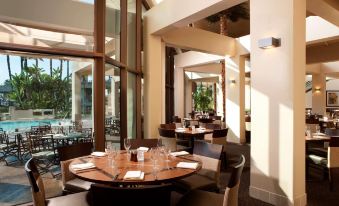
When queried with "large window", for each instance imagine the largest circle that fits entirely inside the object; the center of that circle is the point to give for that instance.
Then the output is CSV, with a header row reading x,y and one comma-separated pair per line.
x,y
112,105
67,64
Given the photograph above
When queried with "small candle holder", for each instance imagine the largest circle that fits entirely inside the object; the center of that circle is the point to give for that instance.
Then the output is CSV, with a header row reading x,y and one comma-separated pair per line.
x,y
134,156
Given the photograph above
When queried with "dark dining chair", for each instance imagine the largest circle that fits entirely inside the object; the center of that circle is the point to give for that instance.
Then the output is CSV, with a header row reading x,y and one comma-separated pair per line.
x,y
229,198
154,195
38,190
208,177
71,184
136,143
328,164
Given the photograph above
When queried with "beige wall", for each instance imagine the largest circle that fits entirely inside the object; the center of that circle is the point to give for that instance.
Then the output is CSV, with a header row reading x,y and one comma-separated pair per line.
x,y
277,127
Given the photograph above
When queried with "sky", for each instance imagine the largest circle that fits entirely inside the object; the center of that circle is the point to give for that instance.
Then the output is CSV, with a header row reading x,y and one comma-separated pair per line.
x,y
16,66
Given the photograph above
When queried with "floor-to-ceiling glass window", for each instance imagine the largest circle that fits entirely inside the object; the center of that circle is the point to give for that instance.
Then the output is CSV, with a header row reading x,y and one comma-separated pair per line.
x,y
48,72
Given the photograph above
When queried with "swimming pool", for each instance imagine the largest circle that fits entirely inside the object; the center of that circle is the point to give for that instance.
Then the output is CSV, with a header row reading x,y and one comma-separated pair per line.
x,y
25,124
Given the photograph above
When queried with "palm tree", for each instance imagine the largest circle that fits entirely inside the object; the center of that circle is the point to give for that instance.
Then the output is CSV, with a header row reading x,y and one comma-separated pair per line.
x,y
233,14
9,67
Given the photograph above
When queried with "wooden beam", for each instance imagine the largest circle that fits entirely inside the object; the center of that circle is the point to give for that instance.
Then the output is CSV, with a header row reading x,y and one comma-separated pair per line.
x,y
123,72
99,75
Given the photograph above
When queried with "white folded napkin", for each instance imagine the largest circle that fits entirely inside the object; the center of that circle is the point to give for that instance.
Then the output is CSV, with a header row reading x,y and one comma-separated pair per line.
x,y
180,128
134,175
179,153
188,165
82,166
145,149
98,154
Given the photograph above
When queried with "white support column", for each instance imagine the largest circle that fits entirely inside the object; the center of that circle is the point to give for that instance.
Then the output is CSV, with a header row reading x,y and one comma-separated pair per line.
x,y
235,99
179,90
76,96
278,103
188,96
319,93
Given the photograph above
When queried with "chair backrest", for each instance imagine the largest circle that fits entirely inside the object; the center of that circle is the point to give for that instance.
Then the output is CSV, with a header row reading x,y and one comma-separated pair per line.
x,y
3,138
333,153
218,133
205,120
210,155
135,143
231,192
169,133
213,126
145,195
220,136
168,126
168,138
75,150
332,132
38,143
35,180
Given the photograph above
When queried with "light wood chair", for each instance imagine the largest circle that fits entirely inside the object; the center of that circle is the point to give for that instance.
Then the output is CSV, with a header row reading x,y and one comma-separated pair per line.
x,y
38,190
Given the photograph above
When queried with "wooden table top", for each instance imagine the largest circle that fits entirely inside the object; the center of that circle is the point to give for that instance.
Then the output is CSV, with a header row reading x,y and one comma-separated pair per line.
x,y
191,132
318,138
105,174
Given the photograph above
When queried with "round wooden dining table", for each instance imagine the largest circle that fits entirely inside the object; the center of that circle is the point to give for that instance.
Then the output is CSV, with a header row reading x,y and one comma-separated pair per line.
x,y
104,173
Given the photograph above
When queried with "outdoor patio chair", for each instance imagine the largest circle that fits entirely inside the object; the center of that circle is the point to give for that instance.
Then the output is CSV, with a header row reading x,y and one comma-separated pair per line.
x,y
38,190
229,198
7,147
42,149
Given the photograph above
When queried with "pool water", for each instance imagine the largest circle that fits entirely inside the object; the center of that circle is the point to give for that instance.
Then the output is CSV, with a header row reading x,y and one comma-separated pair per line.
x,y
25,124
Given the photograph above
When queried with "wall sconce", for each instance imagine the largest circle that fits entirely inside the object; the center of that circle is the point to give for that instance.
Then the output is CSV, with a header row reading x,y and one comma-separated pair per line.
x,y
269,42
232,81
317,90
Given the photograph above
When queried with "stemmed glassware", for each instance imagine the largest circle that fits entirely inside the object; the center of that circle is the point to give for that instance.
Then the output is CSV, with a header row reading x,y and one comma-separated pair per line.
x,y
159,143
154,157
127,145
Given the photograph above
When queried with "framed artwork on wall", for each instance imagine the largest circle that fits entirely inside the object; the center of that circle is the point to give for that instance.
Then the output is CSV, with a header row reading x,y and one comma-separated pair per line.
x,y
332,98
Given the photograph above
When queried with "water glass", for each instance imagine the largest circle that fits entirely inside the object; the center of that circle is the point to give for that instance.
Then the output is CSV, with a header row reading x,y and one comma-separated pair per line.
x,y
159,143
127,144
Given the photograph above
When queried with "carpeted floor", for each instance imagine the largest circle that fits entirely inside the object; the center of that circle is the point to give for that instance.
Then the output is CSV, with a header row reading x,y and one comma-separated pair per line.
x,y
14,186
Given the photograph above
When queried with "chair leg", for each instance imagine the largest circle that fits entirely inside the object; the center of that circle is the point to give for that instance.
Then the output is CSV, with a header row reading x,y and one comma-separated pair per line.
x,y
330,178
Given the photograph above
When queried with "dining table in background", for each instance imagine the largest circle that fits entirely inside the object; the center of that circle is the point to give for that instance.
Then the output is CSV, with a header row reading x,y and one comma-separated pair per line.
x,y
105,174
192,134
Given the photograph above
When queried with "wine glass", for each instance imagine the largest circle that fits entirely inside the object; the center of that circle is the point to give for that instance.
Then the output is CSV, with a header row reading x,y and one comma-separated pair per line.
x,y
127,144
159,143
154,157
167,152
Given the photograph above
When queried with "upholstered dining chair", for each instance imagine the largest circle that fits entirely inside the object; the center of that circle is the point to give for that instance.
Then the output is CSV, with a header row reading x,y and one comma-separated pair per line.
x,y
70,183
154,195
229,198
331,162
38,191
208,177
136,143
168,138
